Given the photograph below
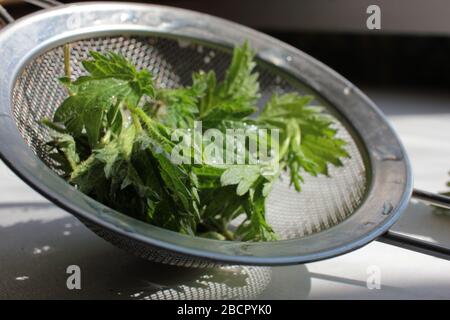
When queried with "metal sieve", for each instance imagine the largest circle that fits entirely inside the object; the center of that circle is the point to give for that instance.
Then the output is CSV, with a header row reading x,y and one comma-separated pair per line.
x,y
332,215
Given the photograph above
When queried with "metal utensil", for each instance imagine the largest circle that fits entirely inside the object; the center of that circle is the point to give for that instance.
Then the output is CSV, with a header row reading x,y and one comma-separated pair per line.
x,y
332,215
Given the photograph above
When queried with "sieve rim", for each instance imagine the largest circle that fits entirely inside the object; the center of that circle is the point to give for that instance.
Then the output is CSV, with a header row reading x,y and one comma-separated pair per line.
x,y
391,180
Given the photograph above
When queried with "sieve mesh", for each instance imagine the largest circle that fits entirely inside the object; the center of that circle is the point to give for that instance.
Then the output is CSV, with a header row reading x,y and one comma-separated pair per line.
x,y
324,201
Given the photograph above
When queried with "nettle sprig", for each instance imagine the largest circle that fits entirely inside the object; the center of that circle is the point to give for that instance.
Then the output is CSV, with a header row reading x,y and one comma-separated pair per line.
x,y
112,140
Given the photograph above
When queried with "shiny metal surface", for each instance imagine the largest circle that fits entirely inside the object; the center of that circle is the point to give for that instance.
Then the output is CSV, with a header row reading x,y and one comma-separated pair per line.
x,y
5,17
432,198
388,184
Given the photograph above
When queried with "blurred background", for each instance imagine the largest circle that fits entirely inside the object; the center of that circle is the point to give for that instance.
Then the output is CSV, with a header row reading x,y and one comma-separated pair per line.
x,y
412,47
404,68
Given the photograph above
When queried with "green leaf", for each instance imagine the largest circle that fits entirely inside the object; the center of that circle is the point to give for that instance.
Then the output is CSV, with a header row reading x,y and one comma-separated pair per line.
x,y
225,112
308,139
235,97
205,85
255,227
179,107
208,176
240,85
63,150
244,176
112,81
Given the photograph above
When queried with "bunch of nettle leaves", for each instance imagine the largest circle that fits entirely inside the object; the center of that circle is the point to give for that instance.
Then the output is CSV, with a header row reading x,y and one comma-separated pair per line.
x,y
111,138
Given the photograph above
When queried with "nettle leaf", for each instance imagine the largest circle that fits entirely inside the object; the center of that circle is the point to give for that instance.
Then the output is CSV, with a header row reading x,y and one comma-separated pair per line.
x,y
255,226
208,176
244,176
179,107
62,149
235,97
112,81
205,85
290,105
181,187
241,84
176,180
88,175
113,65
215,117
308,139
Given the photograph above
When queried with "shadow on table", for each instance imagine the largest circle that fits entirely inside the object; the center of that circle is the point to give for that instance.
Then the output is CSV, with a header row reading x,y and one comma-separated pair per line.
x,y
37,244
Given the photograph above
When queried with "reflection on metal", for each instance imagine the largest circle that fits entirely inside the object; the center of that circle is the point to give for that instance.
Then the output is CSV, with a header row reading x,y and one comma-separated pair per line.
x,y
435,199
5,17
413,243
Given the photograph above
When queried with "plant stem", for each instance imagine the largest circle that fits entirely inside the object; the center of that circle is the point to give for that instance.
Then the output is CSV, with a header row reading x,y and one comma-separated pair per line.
x,y
67,69
153,128
135,118
136,123
158,105
228,234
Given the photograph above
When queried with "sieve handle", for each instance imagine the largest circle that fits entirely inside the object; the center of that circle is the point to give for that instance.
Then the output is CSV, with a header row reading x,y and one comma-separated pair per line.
x,y
44,4
432,198
404,241
6,18
411,243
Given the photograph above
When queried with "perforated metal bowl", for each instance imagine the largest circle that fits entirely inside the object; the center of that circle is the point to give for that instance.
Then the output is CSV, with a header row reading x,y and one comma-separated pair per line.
x,y
331,216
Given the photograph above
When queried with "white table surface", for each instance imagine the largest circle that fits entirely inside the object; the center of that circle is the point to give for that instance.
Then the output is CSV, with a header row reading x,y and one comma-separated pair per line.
x,y
38,241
